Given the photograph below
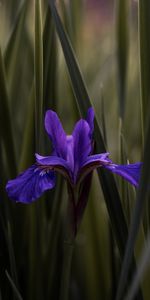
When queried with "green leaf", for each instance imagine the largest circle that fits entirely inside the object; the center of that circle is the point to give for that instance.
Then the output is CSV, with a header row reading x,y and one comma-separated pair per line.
x,y
125,186
136,218
49,63
8,235
14,39
15,290
15,54
38,69
6,123
144,38
18,61
103,121
122,50
142,268
72,14
28,145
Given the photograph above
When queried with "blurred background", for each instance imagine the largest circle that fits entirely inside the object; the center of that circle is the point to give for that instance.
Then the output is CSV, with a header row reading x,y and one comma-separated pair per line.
x,y
104,36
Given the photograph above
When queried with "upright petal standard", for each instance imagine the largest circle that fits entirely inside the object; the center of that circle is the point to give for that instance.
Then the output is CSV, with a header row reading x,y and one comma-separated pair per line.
x,y
72,157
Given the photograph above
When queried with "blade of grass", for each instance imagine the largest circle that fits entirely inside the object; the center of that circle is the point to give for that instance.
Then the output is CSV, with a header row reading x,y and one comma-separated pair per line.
x,y
19,51
143,265
28,146
11,251
17,44
103,121
123,184
122,32
7,229
11,8
144,40
54,236
5,123
70,12
14,38
144,45
136,218
122,51
49,63
112,245
76,17
15,290
79,89
38,69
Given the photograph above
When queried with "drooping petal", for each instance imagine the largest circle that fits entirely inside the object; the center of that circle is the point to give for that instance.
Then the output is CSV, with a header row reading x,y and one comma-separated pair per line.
x,y
92,162
97,159
82,144
54,163
56,133
129,172
90,119
31,184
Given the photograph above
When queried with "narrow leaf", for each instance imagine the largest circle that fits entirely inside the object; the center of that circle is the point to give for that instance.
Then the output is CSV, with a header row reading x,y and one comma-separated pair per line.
x,y
144,38
38,68
28,146
136,218
49,63
122,51
103,121
5,122
15,290
11,250
143,265
14,39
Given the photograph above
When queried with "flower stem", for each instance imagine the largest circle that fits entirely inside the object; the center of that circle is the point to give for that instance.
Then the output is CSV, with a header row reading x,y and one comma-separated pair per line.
x,y
65,279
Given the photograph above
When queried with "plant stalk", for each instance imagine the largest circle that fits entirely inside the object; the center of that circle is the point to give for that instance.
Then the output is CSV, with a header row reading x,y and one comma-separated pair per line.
x,y
66,269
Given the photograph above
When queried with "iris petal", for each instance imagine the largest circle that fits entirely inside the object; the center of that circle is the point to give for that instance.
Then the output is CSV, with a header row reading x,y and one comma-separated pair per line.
x,y
70,151
55,163
31,184
92,162
97,159
82,144
52,161
129,172
56,133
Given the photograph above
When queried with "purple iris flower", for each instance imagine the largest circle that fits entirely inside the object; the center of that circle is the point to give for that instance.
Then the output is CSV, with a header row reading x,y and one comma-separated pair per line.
x,y
72,157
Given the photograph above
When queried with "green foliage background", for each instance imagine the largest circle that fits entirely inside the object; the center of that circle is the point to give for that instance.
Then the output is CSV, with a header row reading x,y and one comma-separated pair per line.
x,y
47,53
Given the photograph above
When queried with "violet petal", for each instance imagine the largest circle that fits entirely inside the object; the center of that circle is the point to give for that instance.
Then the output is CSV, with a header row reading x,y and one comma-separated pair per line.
x,y
31,184
55,163
92,162
82,144
97,159
70,151
56,133
129,172
52,161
